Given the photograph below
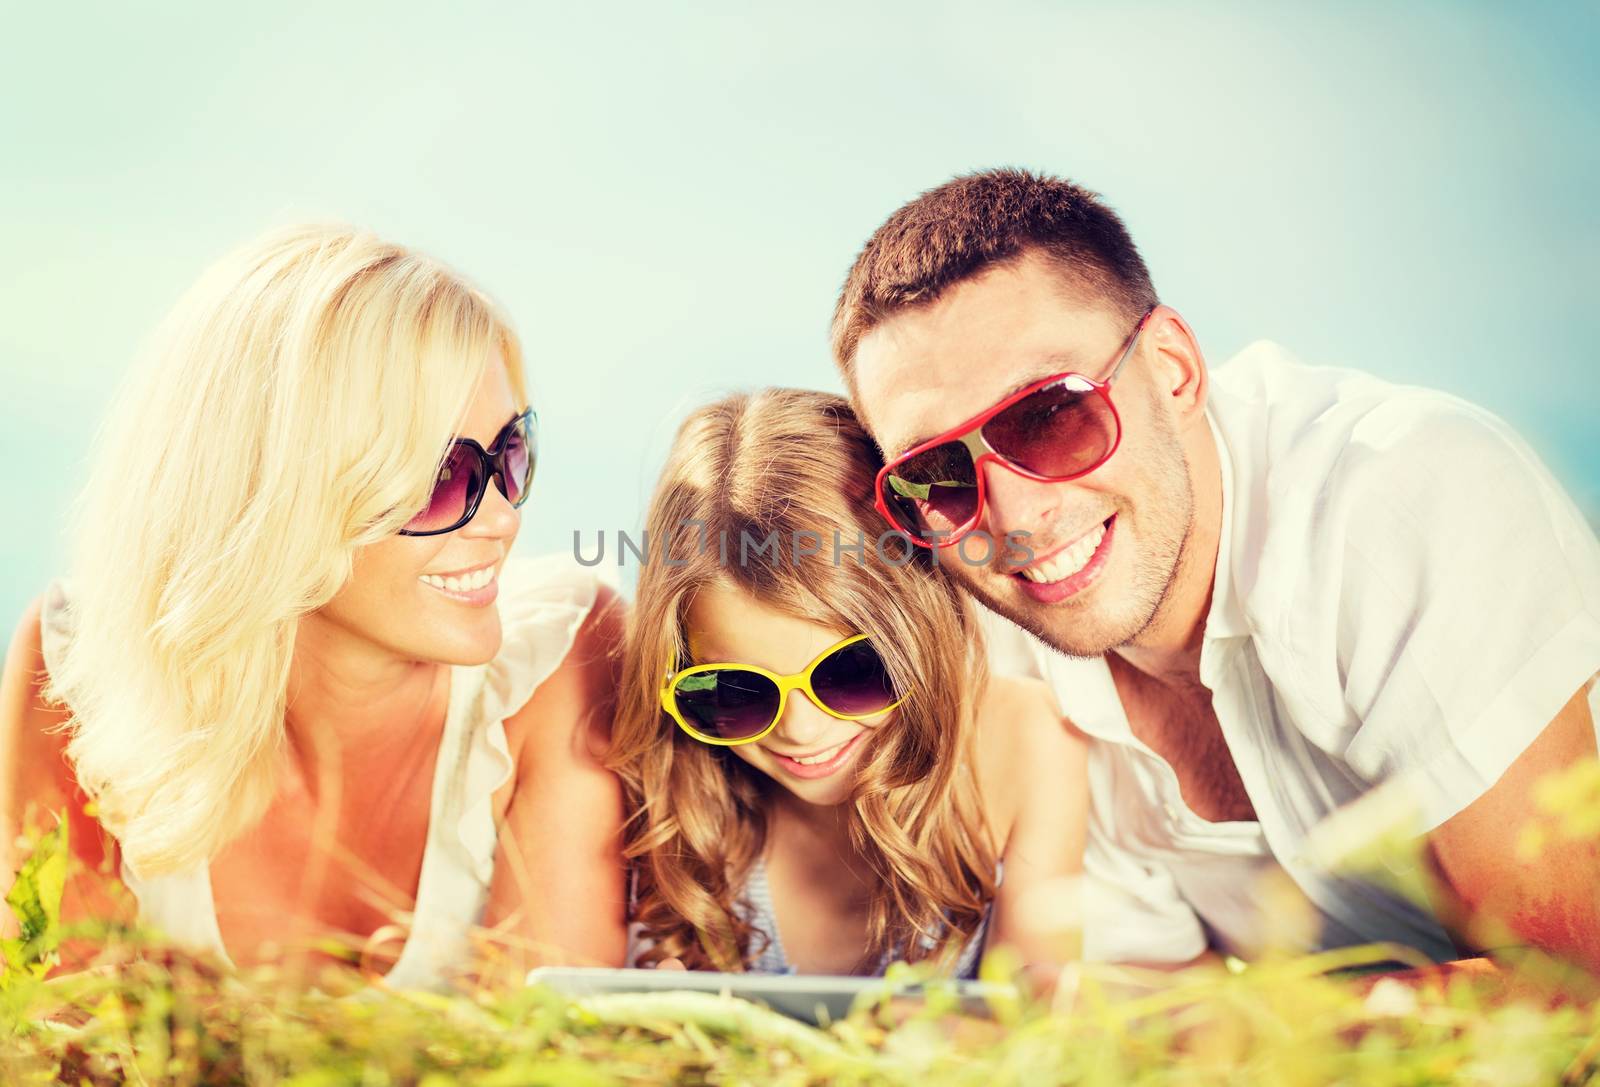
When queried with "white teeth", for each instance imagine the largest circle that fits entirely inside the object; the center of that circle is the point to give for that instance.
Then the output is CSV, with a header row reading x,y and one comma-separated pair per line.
x,y
465,583
1069,562
821,756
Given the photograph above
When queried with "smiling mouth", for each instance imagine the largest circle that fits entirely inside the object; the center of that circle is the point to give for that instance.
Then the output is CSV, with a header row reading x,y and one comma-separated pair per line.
x,y
468,582
820,764
821,756
1069,560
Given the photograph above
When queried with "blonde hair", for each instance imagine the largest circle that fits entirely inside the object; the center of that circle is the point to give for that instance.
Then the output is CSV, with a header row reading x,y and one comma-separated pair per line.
x,y
293,407
790,461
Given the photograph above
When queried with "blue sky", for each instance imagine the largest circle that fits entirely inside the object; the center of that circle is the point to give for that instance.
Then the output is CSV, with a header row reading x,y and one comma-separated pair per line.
x,y
666,200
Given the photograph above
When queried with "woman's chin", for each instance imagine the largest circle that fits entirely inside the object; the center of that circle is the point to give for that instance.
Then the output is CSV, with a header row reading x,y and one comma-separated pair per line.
x,y
453,633
464,647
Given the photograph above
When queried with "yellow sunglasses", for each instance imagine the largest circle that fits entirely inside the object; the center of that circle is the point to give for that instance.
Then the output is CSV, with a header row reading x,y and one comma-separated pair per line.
x,y
728,704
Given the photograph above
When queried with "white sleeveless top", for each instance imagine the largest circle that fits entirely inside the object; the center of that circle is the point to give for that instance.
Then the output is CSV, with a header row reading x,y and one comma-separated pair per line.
x,y
542,601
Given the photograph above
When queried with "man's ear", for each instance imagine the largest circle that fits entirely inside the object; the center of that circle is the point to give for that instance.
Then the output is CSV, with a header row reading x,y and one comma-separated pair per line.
x,y
1179,367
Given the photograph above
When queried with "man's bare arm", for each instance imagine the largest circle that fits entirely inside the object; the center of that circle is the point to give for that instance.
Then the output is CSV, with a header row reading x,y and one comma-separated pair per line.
x,y
1551,901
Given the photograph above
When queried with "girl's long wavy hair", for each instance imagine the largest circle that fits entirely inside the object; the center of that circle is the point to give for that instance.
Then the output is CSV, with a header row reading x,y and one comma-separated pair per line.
x,y
792,463
294,406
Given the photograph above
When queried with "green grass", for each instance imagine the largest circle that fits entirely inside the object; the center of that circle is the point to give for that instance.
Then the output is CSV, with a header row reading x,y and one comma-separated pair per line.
x,y
157,1017
166,1020
150,1015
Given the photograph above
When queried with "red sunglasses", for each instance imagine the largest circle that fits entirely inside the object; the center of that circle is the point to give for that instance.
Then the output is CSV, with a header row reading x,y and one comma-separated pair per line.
x,y
1057,429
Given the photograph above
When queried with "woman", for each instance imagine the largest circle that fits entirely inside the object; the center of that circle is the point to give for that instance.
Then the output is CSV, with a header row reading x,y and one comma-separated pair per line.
x,y
294,670
823,780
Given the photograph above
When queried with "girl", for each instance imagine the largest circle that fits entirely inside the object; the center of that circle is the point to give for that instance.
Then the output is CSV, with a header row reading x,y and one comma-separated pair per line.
x,y
307,691
823,781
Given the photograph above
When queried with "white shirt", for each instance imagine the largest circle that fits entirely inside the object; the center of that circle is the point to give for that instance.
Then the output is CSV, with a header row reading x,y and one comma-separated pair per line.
x,y
1403,595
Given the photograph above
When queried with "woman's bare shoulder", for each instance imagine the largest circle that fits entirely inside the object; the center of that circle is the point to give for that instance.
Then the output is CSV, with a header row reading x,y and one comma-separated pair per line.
x,y
34,773
37,785
573,705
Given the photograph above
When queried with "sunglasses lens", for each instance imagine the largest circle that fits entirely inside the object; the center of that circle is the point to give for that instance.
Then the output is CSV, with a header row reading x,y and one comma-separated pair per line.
x,y
518,458
853,680
1063,430
727,703
460,480
934,492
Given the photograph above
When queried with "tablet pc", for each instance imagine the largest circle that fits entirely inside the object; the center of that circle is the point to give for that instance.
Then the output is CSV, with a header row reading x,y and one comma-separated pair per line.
x,y
811,998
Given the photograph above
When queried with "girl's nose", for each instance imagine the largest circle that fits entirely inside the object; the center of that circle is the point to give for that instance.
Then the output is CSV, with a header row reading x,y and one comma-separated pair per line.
x,y
802,723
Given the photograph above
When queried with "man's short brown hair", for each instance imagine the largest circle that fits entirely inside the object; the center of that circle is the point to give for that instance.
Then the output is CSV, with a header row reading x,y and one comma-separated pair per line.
x,y
974,222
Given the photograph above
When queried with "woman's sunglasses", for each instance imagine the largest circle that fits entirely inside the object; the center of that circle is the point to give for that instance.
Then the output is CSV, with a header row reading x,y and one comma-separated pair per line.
x,y
1054,430
464,476
729,704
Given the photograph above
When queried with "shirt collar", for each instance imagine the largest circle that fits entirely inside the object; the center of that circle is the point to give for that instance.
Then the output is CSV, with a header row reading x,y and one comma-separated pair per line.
x,y
1226,618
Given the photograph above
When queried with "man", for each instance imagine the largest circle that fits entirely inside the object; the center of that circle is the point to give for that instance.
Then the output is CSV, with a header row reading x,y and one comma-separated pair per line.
x,y
1263,591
